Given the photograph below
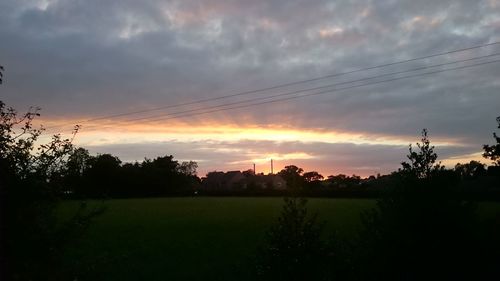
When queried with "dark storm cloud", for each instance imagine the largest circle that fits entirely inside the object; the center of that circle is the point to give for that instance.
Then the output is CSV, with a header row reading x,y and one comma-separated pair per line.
x,y
92,58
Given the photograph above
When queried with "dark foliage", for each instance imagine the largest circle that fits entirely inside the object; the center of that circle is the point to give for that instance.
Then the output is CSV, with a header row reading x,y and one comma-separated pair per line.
x,y
492,152
470,171
32,240
343,181
104,176
312,180
422,162
421,229
295,250
418,230
293,177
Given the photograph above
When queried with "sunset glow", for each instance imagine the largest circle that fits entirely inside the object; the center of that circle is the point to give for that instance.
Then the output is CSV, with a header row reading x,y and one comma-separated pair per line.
x,y
229,84
246,144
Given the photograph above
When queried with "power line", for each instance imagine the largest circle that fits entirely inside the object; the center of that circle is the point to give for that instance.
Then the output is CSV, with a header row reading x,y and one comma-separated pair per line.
x,y
280,85
315,88
322,92
335,90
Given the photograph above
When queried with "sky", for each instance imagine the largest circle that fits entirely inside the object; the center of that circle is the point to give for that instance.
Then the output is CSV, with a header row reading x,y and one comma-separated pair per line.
x,y
84,62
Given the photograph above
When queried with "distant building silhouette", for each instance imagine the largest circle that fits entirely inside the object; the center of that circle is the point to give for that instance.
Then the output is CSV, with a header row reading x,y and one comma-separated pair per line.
x,y
233,180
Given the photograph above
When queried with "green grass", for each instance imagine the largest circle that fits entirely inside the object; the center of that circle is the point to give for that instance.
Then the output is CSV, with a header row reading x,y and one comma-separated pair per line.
x,y
195,238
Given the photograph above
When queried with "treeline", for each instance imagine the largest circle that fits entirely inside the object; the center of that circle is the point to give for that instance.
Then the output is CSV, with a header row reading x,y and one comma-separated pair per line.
x,y
473,180
104,176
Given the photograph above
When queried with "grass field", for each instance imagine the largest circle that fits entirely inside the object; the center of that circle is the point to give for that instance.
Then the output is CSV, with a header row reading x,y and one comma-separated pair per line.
x,y
195,238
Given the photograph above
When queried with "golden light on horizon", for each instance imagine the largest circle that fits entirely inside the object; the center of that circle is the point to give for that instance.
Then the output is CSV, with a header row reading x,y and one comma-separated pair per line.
x,y
462,159
102,132
245,143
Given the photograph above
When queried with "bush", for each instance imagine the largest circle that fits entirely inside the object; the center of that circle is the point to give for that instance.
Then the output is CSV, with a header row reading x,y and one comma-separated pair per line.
x,y
294,250
32,240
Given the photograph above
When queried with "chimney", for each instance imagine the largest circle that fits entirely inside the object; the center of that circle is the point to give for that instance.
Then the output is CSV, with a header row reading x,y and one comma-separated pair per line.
x,y
272,171
254,169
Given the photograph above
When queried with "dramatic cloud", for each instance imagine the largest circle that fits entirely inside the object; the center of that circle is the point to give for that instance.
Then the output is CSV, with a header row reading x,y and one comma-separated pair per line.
x,y
79,60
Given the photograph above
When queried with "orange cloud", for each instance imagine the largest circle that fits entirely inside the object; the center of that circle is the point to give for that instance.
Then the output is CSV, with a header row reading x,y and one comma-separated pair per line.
x,y
330,31
422,23
236,147
104,132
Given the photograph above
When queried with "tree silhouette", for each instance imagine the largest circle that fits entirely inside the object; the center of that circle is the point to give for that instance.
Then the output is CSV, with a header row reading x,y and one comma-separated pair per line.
x,y
293,176
294,249
312,176
78,162
492,152
422,162
188,168
420,227
32,240
101,175
470,170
